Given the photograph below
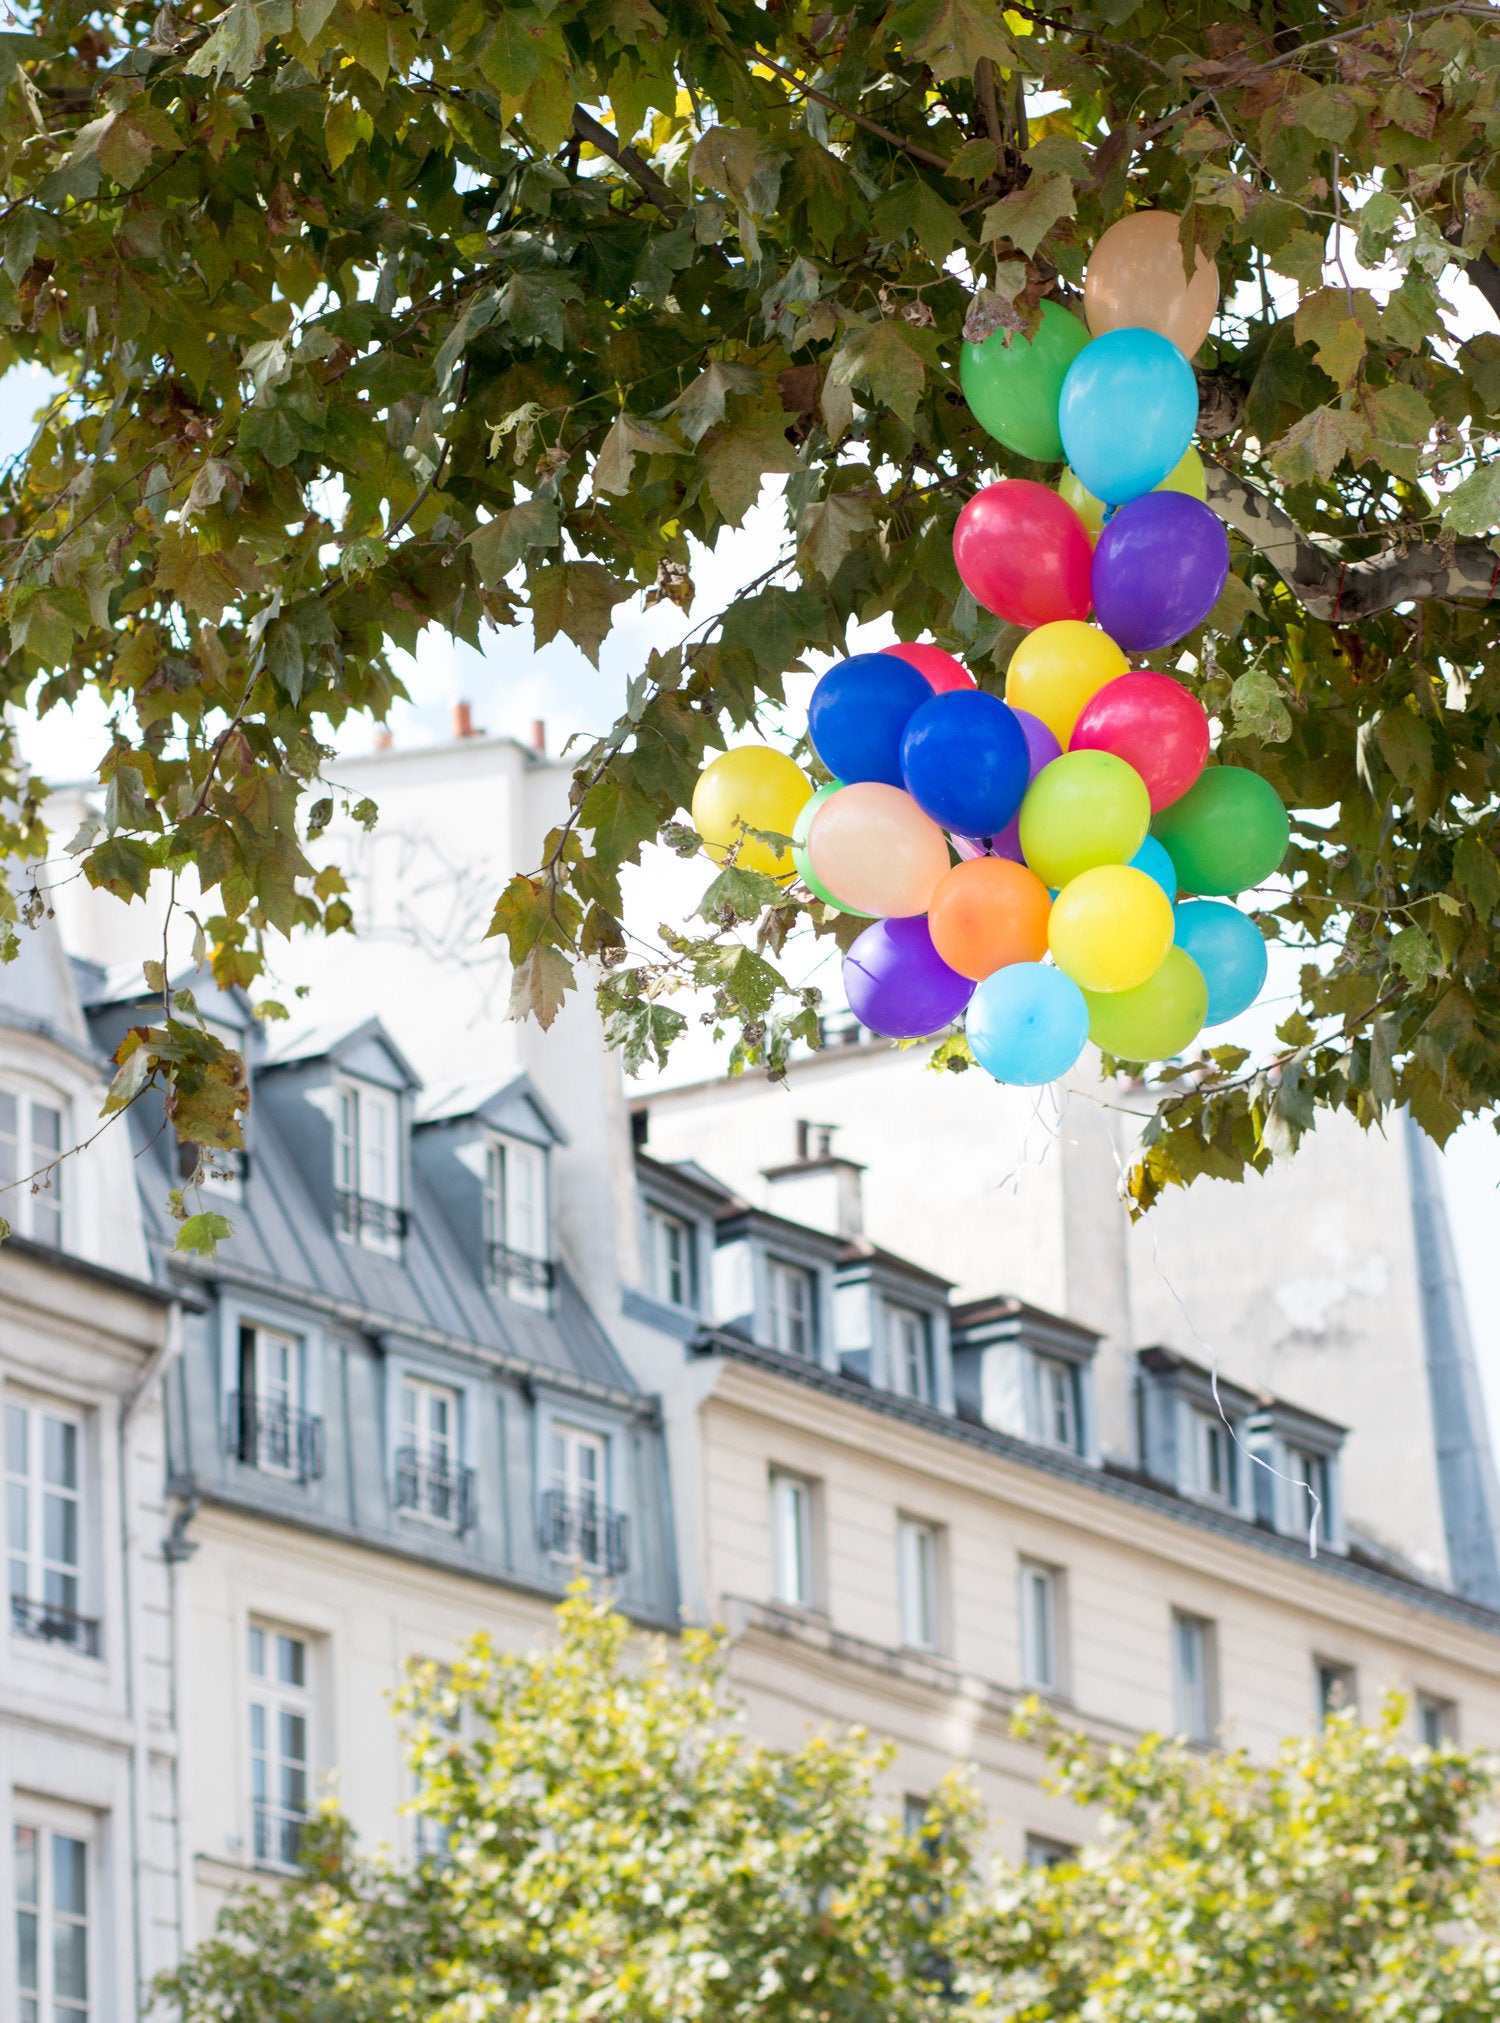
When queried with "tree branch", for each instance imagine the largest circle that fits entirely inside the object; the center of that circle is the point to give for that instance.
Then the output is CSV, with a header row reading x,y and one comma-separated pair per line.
x,y
1341,592
635,166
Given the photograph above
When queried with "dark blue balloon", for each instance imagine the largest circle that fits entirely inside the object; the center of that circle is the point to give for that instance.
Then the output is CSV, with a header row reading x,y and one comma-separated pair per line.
x,y
858,712
1229,949
966,762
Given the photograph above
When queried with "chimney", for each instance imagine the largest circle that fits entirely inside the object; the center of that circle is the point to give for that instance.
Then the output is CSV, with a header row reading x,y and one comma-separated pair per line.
x,y
820,1188
464,725
538,735
385,737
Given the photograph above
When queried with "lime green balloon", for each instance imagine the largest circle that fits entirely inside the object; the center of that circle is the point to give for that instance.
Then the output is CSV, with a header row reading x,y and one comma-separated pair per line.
x,y
1155,1020
803,861
1186,475
1228,832
1086,808
1012,384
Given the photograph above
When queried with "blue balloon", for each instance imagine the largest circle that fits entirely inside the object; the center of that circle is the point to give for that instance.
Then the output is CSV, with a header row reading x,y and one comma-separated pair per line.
x,y
1128,410
1027,1023
858,712
1229,949
1154,860
965,761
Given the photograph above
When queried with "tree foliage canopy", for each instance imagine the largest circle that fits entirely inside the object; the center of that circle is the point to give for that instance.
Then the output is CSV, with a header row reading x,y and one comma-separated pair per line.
x,y
382,314
615,1848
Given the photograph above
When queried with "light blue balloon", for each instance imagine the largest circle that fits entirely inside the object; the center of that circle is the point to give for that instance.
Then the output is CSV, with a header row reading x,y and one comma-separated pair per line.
x,y
1027,1023
1229,949
1128,410
1153,859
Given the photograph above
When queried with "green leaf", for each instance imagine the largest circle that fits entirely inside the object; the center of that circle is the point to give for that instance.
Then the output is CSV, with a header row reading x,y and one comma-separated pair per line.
x,y
828,530
540,984
701,405
201,1235
576,598
1414,956
1405,744
739,895
1474,506
501,543
1258,708
1315,446
629,438
735,460
1323,320
952,36
1026,216
882,357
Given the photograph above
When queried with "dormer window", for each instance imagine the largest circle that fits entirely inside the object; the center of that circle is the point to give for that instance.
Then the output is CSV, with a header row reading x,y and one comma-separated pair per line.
x,y
31,1139
670,1258
1057,1402
791,1308
1312,1495
910,1340
367,1167
516,1221
1213,1469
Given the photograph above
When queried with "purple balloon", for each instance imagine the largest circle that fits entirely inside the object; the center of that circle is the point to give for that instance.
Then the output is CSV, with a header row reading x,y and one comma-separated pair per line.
x,y
1158,569
898,985
1041,748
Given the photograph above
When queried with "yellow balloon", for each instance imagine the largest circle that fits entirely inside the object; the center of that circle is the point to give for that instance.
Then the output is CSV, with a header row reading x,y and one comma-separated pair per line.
x,y
1186,475
751,787
1055,670
1110,928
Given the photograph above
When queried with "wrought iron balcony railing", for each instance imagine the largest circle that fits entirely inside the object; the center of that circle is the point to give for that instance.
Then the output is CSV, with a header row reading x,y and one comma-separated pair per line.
x,y
53,1624
576,1527
353,1213
266,1434
446,1495
507,1266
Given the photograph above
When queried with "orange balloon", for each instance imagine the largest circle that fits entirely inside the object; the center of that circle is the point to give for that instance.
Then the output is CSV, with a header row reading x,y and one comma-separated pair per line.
x,y
1135,281
876,851
987,913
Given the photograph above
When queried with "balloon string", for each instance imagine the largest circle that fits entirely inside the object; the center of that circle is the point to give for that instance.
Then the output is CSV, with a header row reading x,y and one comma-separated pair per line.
x,y
1315,1501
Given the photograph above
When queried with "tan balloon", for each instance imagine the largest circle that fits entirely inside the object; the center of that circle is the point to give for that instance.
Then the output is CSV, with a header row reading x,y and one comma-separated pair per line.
x,y
1135,281
874,849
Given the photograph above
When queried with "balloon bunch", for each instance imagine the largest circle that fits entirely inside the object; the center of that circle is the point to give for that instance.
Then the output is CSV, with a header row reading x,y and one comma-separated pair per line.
x,y
1021,861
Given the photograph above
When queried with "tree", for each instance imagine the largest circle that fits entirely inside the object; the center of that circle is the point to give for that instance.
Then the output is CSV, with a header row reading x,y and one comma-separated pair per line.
x,y
381,314
616,1849
1346,1880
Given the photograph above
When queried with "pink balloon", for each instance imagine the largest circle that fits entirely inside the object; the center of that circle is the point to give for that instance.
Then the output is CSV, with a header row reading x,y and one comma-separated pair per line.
x,y
875,850
1152,723
1022,553
940,669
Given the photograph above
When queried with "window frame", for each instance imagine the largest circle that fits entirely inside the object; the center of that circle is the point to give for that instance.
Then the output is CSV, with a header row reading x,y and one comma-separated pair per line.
x,y
1048,1372
781,1272
1210,1436
26,1206
1445,1708
907,1327
45,2005
1195,1723
659,1266
793,1550
415,1438
1041,1638
275,1698
589,1506
504,1212
73,1604
919,1583
1330,1677
355,1155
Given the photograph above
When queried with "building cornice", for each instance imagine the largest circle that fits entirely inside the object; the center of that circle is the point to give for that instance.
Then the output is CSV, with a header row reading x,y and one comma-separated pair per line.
x,y
1132,1490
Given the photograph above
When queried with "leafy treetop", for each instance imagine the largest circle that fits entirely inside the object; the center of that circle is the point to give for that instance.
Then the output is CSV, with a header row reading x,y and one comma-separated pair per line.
x,y
380,314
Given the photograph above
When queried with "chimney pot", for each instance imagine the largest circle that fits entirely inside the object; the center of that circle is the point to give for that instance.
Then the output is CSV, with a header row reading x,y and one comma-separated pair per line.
x,y
463,722
384,738
538,735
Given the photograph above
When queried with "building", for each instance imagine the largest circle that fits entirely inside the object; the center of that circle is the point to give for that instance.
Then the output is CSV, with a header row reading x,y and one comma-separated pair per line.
x,y
90,1780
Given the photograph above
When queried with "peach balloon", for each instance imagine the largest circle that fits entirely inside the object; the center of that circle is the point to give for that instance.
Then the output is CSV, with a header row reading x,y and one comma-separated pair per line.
x,y
876,851
987,913
1135,280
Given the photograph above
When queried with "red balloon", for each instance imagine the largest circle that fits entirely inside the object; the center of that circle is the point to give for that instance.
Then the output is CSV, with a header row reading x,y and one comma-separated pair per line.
x,y
939,669
1152,723
1022,553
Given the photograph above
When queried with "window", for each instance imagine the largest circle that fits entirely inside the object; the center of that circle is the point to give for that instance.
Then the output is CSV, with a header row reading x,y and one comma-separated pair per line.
x,y
1437,1721
911,1353
1310,1491
792,1541
1194,1677
280,1742
31,1137
670,1258
1041,1656
1057,1403
917,1571
1338,1688
1042,1851
44,1524
1213,1458
269,1426
430,1480
367,1167
52,1925
577,1520
515,1221
432,1837
914,1808
791,1308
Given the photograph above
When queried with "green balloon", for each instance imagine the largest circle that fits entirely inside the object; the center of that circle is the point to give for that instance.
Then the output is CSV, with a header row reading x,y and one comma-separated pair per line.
x,y
1155,1020
1086,808
1227,834
803,862
1013,386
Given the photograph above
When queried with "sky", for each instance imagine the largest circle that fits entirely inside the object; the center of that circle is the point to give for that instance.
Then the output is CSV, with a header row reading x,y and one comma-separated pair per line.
x,y
510,686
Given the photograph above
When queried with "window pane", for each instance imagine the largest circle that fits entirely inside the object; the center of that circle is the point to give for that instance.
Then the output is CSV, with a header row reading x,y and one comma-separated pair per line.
x,y
17,1513
26,1865
60,1529
257,1652
16,1420
257,1727
69,1876
46,1128
291,1661
59,1453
